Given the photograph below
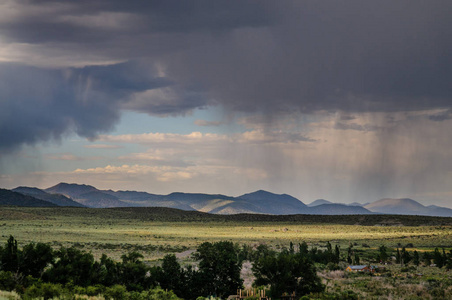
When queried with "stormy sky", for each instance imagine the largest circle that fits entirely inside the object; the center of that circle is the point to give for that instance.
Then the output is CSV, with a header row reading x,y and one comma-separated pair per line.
x,y
342,100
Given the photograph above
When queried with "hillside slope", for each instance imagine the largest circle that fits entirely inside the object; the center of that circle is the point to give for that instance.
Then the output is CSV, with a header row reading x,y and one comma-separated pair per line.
x,y
99,199
57,199
8,197
406,206
71,190
338,209
271,203
319,202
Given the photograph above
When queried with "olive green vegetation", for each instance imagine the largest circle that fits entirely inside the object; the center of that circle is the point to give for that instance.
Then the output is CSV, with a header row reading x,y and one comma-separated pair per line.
x,y
155,232
37,271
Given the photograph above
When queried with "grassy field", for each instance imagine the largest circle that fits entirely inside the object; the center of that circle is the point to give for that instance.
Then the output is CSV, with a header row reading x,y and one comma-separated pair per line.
x,y
157,231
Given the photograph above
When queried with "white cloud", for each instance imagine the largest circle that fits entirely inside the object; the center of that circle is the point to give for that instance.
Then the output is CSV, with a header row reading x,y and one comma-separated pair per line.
x,y
161,173
253,136
147,138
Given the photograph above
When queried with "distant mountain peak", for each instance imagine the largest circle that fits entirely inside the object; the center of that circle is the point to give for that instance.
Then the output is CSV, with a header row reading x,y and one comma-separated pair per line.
x,y
319,202
259,193
263,193
72,190
404,202
279,203
65,185
30,190
404,206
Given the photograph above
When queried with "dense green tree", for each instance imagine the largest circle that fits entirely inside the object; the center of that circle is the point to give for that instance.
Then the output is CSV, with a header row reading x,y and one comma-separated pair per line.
x,y
312,253
449,260
327,256
72,265
405,256
382,253
245,253
35,258
286,272
398,257
427,258
328,246
337,254
29,261
350,253
261,251
317,255
10,256
438,258
7,281
219,268
303,248
171,276
133,272
107,271
416,259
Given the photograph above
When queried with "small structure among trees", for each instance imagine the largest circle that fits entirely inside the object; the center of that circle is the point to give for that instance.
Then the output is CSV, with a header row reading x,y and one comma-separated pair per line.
x,y
361,268
254,293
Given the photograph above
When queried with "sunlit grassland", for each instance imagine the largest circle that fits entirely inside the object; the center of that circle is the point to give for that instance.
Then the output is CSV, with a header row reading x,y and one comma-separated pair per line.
x,y
115,232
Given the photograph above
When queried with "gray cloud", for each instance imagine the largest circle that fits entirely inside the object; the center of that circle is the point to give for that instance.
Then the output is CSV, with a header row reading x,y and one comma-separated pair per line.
x,y
68,21
42,104
351,56
271,57
441,116
355,126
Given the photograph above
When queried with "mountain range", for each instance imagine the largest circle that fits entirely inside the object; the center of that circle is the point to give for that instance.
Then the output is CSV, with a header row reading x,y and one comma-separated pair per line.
x,y
259,202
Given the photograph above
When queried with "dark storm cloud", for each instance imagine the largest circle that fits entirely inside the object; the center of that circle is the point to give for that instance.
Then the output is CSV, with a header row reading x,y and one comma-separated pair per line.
x,y
307,56
40,105
56,21
341,55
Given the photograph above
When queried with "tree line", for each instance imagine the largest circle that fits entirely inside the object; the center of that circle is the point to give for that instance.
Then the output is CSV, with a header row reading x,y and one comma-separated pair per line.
x,y
36,267
436,258
217,272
